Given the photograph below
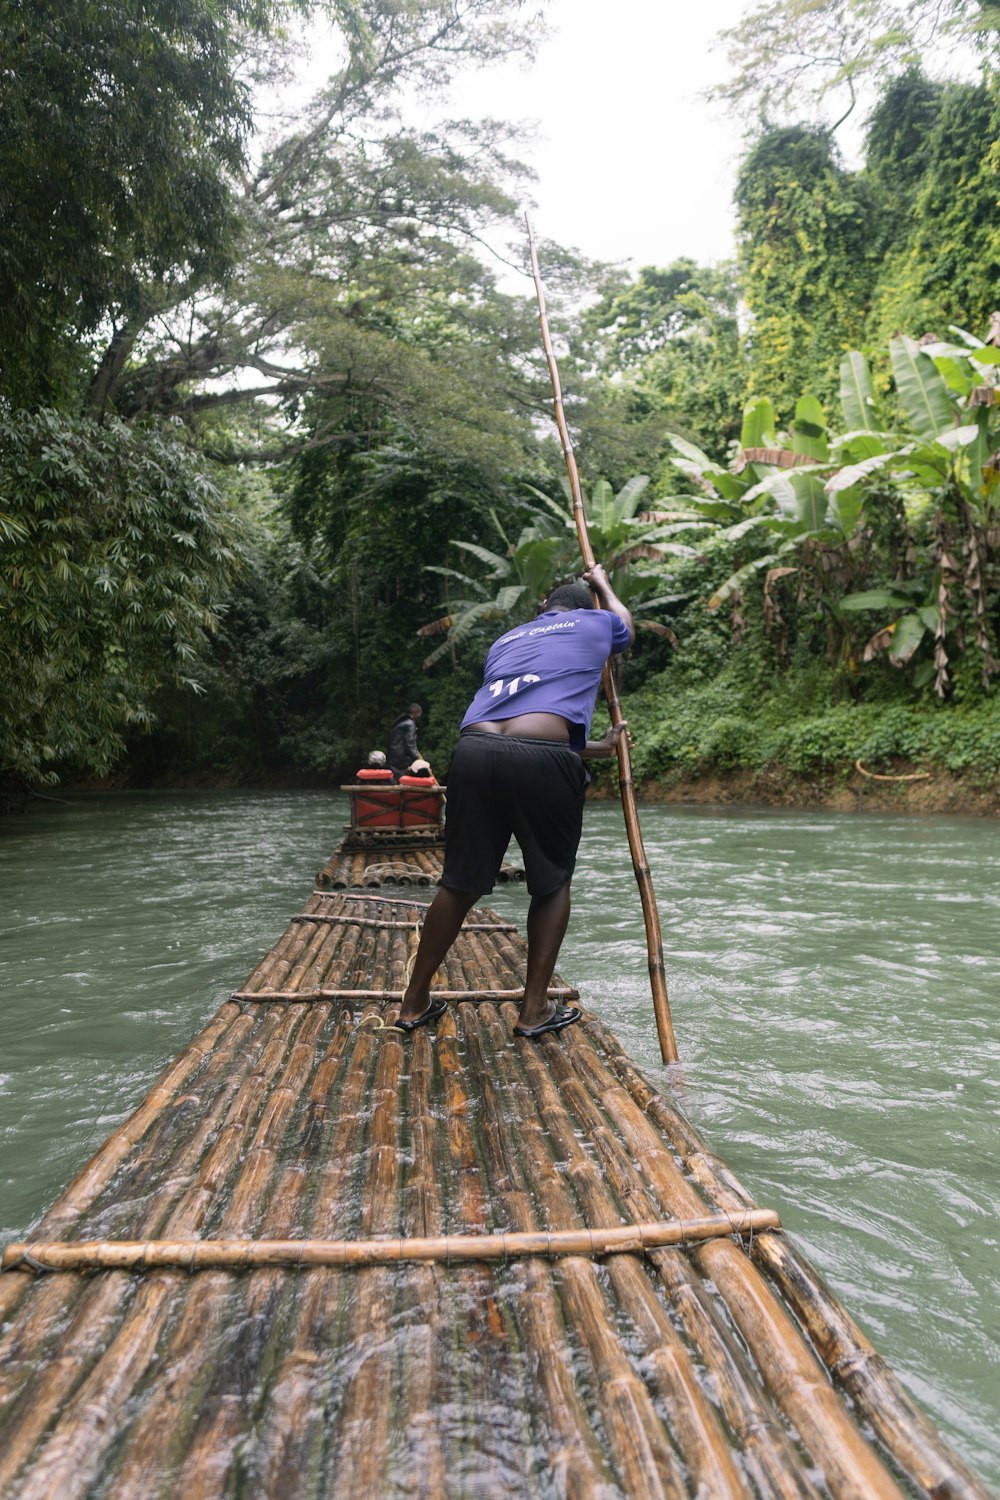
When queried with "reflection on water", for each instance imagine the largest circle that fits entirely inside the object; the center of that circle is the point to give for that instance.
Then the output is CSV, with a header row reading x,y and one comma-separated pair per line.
x,y
833,979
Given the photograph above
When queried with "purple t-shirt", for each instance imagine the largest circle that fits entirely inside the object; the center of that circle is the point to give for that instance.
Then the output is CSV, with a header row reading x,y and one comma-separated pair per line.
x,y
552,665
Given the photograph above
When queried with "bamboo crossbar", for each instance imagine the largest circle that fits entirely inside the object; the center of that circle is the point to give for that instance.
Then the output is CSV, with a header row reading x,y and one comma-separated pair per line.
x,y
195,1255
554,992
365,896
348,921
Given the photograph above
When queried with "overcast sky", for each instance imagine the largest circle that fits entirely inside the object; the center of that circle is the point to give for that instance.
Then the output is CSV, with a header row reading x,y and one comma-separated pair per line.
x,y
633,165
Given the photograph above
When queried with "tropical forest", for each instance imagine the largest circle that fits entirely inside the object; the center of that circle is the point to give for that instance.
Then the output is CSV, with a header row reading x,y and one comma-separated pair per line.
x,y
277,456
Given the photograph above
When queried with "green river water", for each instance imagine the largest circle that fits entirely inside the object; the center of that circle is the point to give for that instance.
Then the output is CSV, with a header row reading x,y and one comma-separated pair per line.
x,y
835,988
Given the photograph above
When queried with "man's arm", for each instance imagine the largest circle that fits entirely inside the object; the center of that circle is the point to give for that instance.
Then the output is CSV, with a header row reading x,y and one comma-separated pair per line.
x,y
598,580
606,746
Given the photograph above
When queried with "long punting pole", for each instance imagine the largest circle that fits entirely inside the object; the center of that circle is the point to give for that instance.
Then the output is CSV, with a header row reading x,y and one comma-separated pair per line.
x,y
654,943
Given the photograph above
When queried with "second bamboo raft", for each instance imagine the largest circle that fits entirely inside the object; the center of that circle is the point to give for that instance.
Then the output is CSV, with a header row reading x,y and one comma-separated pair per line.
x,y
372,859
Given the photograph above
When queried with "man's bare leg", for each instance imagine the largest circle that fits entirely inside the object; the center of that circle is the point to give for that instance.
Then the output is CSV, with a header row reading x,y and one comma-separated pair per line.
x,y
548,917
442,925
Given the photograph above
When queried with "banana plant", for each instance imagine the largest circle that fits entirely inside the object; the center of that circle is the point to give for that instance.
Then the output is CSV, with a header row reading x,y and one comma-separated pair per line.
x,y
516,580
773,489
631,544
945,469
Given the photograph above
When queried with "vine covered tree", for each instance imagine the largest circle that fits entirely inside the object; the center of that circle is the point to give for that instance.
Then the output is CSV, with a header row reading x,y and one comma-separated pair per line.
x,y
810,243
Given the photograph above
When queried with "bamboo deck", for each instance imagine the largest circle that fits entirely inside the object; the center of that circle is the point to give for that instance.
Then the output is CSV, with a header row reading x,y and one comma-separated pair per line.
x,y
545,1366
396,858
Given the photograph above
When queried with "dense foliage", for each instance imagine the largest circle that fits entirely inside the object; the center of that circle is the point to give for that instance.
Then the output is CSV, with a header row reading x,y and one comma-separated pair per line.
x,y
123,129
117,551
235,297
269,423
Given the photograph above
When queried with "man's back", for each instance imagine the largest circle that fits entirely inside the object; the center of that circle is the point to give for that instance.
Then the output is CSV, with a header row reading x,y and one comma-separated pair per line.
x,y
553,664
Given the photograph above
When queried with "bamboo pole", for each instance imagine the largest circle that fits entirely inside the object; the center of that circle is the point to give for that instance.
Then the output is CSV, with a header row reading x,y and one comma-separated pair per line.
x,y
91,1180
408,926
569,1455
848,1355
768,1456
92,1375
651,918
483,1359
692,1422
290,1430
654,1342
243,1306
795,1377
637,1442
189,1422
276,961
359,1443
20,1349
426,1382
267,997
240,1254
260,1335
155,1125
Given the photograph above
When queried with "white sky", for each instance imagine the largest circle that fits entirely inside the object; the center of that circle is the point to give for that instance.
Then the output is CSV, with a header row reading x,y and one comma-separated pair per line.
x,y
632,164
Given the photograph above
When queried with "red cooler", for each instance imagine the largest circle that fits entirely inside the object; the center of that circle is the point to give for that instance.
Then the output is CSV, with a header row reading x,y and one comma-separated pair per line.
x,y
375,802
422,801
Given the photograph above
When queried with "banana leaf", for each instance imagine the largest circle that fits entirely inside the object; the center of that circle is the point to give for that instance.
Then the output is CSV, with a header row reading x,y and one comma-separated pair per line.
x,y
809,429
720,510
500,565
854,473
760,425
780,488
601,507
736,580
734,533
846,508
906,637
877,599
981,451
857,393
929,464
855,446
958,437
487,609
627,502
955,373
969,339
462,578
922,390
811,502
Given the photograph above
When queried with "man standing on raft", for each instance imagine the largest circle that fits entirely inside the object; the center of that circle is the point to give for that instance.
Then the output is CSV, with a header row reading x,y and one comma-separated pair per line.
x,y
517,769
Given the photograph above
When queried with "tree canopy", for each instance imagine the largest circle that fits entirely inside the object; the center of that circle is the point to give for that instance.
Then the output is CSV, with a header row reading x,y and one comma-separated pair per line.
x,y
797,57
263,395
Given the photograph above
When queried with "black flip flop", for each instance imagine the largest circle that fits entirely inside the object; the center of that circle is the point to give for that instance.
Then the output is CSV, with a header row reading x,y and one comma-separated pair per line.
x,y
563,1015
430,1014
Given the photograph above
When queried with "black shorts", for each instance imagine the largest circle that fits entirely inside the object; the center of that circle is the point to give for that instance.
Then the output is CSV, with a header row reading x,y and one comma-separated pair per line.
x,y
499,785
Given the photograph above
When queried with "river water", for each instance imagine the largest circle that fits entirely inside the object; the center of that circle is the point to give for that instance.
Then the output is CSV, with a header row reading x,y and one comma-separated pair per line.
x,y
834,982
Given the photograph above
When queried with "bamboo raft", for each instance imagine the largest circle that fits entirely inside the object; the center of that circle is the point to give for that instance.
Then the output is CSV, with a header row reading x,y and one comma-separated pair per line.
x,y
322,1259
372,858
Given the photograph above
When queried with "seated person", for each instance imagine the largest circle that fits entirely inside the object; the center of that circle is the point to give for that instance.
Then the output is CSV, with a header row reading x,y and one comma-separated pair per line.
x,y
376,770
419,771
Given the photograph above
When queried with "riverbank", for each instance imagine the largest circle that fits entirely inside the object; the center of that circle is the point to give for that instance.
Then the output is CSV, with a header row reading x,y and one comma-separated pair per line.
x,y
907,790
